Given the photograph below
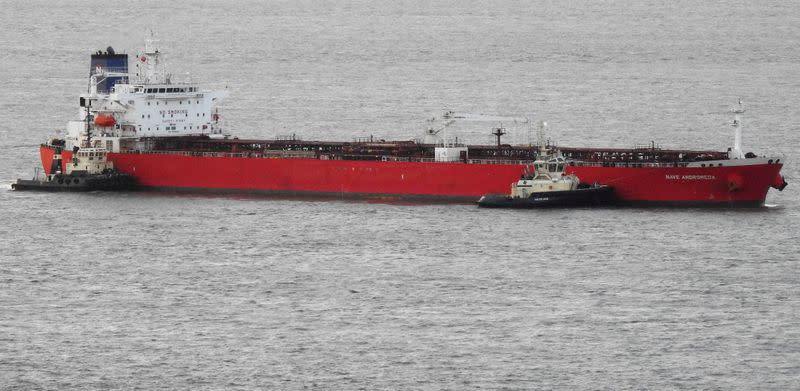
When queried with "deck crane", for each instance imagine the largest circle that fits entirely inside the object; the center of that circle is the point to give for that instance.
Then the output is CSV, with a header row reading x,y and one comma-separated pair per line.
x,y
433,131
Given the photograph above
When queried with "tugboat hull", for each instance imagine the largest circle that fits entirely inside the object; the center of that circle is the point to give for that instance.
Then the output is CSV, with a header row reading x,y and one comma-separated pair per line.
x,y
588,196
109,181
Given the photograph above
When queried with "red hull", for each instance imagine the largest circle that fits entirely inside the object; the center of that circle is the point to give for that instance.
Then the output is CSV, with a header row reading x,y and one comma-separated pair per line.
x,y
745,185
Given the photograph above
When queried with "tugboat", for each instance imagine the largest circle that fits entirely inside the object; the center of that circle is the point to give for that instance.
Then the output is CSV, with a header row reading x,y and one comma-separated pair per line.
x,y
549,186
89,170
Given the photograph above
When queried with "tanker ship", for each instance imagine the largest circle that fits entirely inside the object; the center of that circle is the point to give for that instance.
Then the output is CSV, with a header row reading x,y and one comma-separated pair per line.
x,y
167,133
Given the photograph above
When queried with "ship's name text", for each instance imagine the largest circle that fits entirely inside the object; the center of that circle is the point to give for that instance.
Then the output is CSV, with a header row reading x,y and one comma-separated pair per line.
x,y
165,112
691,177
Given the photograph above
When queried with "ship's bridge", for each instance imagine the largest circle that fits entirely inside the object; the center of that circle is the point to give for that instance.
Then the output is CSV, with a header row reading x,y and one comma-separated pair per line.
x,y
145,104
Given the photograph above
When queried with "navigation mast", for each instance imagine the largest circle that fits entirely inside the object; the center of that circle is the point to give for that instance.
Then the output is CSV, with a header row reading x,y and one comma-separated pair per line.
x,y
737,135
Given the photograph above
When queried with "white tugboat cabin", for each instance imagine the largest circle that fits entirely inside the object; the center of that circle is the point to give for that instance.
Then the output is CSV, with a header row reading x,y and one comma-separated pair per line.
x,y
547,176
89,161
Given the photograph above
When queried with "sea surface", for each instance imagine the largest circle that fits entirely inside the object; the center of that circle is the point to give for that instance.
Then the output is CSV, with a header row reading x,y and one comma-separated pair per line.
x,y
164,291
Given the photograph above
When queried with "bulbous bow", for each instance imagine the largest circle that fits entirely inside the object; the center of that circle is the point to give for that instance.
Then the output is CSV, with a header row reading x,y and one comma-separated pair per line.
x,y
779,182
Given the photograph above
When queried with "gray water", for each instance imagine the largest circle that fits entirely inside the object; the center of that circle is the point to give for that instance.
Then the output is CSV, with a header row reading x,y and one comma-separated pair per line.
x,y
159,291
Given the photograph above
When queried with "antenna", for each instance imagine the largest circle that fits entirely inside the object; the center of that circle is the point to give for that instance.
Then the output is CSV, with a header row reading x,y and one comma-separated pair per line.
x,y
540,135
737,135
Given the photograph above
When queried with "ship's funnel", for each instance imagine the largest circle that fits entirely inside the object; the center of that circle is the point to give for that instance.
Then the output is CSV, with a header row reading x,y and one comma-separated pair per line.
x,y
109,61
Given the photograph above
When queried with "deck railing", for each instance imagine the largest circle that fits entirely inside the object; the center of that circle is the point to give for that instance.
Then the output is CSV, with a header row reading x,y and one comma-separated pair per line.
x,y
281,154
630,164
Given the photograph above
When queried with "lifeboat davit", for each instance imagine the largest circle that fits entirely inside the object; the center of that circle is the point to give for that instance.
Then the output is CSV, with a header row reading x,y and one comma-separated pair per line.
x,y
104,120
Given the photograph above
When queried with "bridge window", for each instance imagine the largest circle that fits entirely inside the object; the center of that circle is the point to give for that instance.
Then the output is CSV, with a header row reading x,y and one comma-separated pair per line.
x,y
162,90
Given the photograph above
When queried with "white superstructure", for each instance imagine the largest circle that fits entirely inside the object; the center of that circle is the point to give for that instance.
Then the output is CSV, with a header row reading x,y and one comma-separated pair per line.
x,y
144,103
